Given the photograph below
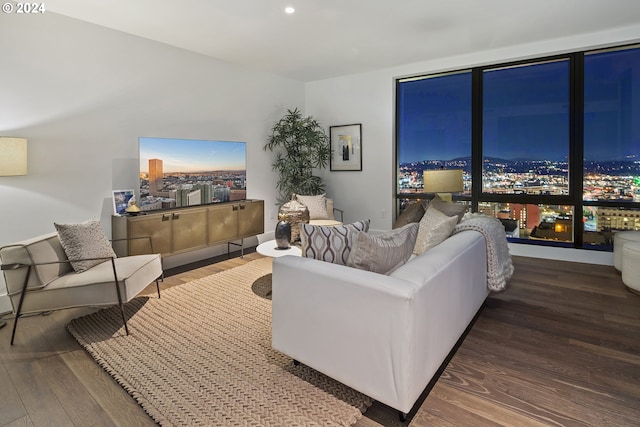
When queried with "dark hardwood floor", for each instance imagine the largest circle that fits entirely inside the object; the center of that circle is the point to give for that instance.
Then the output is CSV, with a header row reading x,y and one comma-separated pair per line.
x,y
560,347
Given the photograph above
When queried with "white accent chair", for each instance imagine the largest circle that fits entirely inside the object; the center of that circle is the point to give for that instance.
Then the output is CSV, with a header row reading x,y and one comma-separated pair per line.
x,y
39,278
322,210
336,216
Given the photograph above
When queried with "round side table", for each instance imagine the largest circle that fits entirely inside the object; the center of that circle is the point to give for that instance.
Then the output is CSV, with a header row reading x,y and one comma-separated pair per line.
x,y
262,286
270,249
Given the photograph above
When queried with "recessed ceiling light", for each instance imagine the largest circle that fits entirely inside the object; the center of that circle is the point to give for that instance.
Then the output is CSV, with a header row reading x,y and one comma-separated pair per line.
x,y
289,10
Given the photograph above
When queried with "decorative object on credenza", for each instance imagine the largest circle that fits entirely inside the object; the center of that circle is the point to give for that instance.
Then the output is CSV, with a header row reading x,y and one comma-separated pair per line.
x,y
301,146
346,147
283,234
295,213
121,200
13,156
133,209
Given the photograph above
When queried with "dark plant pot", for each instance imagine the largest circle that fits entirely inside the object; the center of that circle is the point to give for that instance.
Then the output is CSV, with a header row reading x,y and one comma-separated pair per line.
x,y
283,234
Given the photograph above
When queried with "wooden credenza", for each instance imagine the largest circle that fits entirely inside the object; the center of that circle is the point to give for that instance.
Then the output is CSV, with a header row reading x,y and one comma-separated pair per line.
x,y
178,230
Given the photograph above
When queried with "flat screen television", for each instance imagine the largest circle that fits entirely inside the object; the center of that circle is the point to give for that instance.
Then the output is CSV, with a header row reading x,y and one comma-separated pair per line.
x,y
187,172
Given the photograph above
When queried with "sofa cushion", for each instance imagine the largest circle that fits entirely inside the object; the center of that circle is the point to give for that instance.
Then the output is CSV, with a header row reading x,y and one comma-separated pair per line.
x,y
448,208
412,213
434,228
317,205
383,253
82,241
330,243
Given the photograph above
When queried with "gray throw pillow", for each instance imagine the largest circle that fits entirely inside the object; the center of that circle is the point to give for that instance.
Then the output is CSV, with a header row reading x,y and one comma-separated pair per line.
x,y
82,241
412,213
383,253
330,243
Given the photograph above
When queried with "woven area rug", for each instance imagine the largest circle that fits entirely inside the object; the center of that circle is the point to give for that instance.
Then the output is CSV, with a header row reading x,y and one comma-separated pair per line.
x,y
201,356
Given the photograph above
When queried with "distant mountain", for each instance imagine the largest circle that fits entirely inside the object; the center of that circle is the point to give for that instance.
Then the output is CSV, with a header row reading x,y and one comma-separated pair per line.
x,y
496,164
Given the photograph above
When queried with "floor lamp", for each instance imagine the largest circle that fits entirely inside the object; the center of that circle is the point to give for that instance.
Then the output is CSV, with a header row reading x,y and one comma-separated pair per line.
x,y
13,162
443,182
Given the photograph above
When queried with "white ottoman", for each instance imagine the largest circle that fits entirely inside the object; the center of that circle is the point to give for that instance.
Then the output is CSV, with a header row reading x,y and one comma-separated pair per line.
x,y
631,266
620,239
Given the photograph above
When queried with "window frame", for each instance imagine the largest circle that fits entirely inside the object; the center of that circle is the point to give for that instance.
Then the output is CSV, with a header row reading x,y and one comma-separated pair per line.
x,y
576,146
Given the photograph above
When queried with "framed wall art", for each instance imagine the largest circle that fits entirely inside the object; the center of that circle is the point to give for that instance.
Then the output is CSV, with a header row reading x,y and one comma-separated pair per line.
x,y
346,147
121,200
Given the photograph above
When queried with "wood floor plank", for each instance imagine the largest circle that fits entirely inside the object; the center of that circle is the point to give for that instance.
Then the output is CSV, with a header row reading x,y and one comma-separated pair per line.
x,y
11,408
21,422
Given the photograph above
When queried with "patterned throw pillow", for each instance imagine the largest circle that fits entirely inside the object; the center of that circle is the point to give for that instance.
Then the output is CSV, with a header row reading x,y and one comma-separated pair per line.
x,y
317,205
330,243
383,253
434,228
82,241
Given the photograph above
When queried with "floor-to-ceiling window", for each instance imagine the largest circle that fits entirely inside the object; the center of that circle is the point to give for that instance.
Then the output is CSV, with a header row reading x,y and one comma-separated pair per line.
x,y
550,146
434,120
611,177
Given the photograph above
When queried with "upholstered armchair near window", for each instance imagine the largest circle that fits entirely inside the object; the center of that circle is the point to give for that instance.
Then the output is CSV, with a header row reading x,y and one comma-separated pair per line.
x,y
321,209
75,267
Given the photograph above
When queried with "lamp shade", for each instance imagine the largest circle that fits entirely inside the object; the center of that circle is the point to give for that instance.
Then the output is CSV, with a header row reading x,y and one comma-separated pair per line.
x,y
13,156
443,181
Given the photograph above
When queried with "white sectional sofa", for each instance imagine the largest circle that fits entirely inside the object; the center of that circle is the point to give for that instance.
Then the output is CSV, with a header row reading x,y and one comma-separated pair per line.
x,y
383,335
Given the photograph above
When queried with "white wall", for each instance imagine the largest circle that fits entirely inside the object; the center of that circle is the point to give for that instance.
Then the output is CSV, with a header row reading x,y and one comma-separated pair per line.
x,y
368,98
83,94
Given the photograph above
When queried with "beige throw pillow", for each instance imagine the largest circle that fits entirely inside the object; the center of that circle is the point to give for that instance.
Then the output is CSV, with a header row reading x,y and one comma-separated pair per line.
x,y
383,253
82,241
330,243
434,228
317,205
448,208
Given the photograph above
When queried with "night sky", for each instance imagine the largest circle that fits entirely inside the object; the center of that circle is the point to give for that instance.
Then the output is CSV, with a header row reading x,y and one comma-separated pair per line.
x,y
525,112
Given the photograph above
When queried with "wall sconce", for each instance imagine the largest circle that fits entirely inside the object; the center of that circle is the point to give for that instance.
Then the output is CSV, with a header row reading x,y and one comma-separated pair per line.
x,y
13,156
443,182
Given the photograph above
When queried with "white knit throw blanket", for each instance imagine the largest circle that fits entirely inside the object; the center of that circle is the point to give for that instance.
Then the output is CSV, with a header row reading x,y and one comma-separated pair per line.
x,y
499,266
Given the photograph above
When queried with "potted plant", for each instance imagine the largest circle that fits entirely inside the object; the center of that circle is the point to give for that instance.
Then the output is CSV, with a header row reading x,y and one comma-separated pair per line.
x,y
301,145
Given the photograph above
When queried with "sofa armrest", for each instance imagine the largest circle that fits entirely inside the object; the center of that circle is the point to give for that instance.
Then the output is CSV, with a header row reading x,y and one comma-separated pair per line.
x,y
339,211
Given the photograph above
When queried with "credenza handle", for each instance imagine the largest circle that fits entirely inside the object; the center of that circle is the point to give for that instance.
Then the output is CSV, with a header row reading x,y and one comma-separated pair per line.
x,y
175,215
166,217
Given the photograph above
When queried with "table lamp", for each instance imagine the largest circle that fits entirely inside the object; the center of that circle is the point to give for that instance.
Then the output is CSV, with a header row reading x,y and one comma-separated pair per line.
x,y
443,182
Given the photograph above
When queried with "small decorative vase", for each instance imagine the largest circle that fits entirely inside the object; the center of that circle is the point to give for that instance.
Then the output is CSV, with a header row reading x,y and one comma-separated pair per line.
x,y
283,234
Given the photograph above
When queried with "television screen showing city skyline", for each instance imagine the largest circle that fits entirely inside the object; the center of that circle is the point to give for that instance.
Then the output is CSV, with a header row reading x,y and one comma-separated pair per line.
x,y
185,172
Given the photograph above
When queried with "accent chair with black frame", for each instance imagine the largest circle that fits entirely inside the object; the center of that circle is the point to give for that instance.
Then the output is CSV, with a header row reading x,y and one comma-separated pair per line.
x,y
40,277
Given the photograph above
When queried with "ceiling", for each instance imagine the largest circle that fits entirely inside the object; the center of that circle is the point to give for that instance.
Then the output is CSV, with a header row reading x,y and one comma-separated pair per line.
x,y
330,38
